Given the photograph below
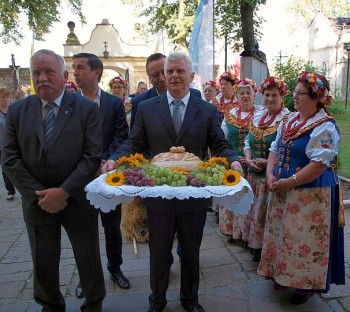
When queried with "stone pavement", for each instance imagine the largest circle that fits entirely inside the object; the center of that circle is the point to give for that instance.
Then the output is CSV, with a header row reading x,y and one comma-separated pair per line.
x,y
229,281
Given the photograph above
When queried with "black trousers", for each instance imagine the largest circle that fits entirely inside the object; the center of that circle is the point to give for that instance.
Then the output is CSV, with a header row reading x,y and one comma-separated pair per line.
x,y
114,242
165,217
45,243
8,184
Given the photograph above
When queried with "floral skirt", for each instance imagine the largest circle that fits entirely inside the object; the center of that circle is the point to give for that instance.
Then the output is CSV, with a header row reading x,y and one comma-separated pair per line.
x,y
235,226
258,211
303,245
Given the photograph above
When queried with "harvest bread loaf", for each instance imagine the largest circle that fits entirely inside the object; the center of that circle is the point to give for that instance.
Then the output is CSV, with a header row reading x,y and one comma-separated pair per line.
x,y
176,157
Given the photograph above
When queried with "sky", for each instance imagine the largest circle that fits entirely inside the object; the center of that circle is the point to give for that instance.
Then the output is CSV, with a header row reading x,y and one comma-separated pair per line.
x,y
275,37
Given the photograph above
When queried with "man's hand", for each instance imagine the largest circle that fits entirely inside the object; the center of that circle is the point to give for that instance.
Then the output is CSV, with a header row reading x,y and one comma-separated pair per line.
x,y
108,166
236,165
52,200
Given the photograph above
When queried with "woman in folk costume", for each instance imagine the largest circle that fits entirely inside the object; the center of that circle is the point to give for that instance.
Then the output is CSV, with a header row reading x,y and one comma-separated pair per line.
x,y
119,87
226,99
236,125
262,133
209,91
304,240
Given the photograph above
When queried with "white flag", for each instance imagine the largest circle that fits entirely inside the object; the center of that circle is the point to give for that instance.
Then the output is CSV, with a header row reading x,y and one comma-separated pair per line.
x,y
201,45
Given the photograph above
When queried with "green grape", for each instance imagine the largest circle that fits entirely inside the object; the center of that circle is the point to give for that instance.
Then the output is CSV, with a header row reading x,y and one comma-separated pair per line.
x,y
215,176
179,182
209,180
157,181
163,179
173,183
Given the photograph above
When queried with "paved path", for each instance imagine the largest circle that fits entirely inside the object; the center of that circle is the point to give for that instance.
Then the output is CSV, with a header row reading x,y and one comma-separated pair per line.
x,y
229,281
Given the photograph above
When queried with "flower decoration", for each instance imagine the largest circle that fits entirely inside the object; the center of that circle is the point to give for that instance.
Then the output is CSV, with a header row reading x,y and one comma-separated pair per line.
x,y
133,161
273,82
115,178
231,178
180,170
244,83
210,83
317,86
118,79
71,85
228,76
219,161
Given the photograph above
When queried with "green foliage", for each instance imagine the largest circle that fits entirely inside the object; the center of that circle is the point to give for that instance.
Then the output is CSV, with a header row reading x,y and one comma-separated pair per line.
x,y
289,72
229,22
40,17
304,11
176,18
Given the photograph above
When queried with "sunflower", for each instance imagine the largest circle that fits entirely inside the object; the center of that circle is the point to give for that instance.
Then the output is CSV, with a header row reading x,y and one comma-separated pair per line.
x,y
115,178
231,177
140,158
123,161
219,161
179,169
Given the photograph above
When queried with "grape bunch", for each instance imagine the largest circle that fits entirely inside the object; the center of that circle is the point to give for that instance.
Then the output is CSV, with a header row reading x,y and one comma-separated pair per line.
x,y
136,177
211,175
163,176
193,181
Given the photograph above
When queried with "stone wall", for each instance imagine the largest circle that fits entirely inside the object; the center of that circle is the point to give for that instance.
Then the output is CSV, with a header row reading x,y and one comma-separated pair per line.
x,y
6,79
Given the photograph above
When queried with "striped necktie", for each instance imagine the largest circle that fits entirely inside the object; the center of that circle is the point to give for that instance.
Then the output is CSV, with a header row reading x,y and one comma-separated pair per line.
x,y
177,116
49,120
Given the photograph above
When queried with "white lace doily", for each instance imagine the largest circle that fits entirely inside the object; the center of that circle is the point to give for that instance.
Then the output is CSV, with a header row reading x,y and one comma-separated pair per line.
x,y
236,198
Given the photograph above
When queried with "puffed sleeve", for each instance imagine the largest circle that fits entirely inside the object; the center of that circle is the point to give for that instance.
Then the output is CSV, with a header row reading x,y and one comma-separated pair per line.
x,y
324,143
224,128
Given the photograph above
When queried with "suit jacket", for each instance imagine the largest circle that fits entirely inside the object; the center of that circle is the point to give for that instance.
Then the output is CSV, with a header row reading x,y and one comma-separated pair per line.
x,y
148,95
70,160
115,129
154,133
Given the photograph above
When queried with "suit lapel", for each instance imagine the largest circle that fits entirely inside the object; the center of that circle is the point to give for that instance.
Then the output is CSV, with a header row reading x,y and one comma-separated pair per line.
x,y
191,112
37,118
162,106
103,106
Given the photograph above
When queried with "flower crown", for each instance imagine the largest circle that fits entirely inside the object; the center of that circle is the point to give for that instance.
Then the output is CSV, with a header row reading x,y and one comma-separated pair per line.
x,y
273,82
228,76
118,80
71,84
244,83
317,86
209,83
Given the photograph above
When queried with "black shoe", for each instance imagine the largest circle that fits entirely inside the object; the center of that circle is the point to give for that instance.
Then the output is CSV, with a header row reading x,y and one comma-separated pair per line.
x,y
120,279
79,292
196,308
299,298
10,197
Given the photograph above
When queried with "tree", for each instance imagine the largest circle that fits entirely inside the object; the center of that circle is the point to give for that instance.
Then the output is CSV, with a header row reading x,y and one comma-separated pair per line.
x,y
239,22
176,18
40,17
305,10
289,72
234,18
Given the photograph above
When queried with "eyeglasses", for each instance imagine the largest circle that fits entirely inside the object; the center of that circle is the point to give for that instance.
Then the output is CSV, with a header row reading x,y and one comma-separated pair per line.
x,y
300,93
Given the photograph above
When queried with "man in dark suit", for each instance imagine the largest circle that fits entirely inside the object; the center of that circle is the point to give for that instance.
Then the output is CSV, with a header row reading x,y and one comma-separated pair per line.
x,y
155,72
52,149
87,71
153,133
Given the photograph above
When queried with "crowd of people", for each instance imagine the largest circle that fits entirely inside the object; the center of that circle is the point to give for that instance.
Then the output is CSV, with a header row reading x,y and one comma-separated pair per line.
x,y
76,131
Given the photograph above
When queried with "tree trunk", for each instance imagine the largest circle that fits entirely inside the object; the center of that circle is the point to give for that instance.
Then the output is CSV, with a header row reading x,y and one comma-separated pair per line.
x,y
247,14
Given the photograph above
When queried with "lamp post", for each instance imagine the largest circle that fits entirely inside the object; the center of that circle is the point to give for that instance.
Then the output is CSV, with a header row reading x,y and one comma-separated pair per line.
x,y
105,52
347,75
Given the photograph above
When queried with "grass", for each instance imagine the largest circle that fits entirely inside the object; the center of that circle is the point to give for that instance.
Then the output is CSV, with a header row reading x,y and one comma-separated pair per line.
x,y
343,121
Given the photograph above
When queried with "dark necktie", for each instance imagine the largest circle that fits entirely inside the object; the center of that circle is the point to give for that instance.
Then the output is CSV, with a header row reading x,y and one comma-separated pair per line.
x,y
49,120
177,116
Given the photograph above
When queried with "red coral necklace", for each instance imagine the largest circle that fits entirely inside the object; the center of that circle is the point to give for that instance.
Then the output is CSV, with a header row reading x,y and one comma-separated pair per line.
x,y
292,130
264,125
244,123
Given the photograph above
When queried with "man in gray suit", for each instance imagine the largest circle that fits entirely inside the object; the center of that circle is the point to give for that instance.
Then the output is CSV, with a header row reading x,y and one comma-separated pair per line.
x,y
52,149
154,132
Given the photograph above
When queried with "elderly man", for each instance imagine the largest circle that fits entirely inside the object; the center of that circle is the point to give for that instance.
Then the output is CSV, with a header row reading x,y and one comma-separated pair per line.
x,y
52,149
176,118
